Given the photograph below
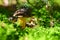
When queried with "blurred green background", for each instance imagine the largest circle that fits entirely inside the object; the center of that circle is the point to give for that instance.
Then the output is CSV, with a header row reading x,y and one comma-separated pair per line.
x,y
46,11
